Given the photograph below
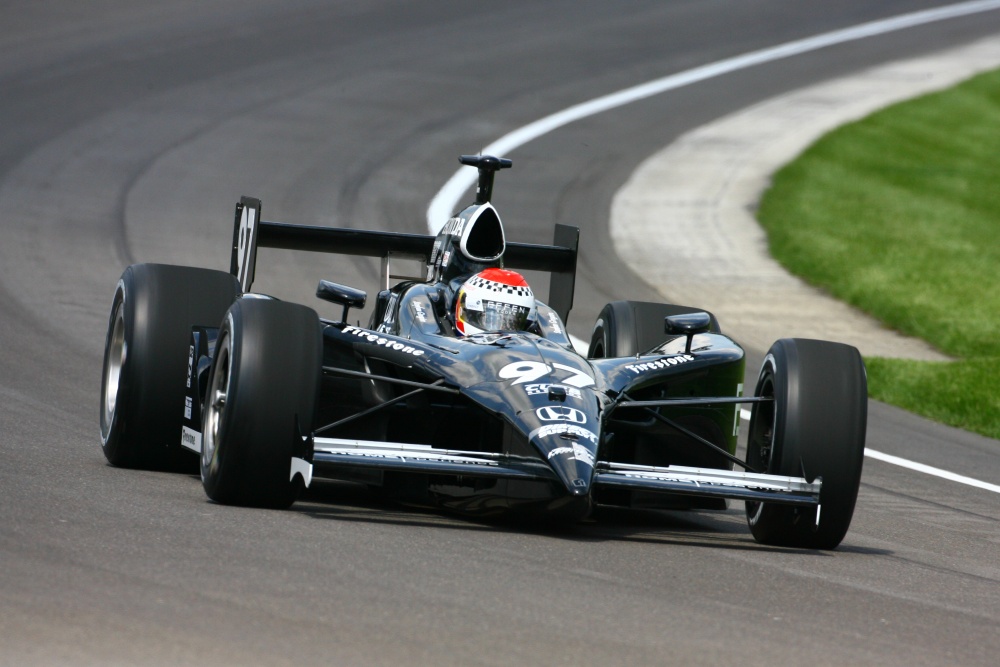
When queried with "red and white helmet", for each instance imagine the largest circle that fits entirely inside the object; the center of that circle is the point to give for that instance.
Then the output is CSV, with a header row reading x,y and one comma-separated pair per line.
x,y
494,300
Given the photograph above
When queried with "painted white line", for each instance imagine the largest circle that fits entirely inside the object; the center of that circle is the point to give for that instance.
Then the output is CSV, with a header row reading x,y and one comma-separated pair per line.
x,y
913,465
446,200
930,470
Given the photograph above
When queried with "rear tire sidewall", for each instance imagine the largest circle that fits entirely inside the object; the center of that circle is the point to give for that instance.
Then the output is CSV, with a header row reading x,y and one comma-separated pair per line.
x,y
628,328
146,359
613,334
114,391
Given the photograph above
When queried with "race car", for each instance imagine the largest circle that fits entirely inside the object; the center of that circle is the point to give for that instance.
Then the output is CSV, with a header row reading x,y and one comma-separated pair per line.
x,y
464,392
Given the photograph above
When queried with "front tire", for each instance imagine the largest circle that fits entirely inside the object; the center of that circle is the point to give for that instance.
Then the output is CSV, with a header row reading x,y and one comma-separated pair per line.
x,y
814,427
146,359
260,404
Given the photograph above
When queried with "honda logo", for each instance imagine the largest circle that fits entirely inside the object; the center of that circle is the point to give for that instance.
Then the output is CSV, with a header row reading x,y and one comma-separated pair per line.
x,y
561,414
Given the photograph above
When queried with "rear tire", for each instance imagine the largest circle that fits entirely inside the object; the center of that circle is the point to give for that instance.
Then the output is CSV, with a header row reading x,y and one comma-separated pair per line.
x,y
261,401
146,359
814,427
628,328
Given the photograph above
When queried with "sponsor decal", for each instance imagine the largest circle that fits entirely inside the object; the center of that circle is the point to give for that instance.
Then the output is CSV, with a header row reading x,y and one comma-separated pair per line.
x,y
390,315
554,323
409,456
578,452
534,389
665,362
572,431
388,343
434,252
502,308
190,364
191,439
697,483
453,227
555,413
419,311
188,403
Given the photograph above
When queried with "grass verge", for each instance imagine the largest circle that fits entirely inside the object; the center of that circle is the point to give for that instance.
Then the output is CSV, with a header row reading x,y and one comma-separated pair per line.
x,y
899,215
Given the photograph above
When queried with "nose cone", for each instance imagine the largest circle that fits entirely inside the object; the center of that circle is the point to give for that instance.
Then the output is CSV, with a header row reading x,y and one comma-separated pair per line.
x,y
570,452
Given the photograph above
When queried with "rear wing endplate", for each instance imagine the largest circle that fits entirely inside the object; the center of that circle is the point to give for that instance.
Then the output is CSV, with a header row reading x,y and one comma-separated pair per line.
x,y
249,232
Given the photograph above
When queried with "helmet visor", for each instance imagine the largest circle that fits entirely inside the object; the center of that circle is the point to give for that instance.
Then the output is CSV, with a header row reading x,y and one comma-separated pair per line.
x,y
498,316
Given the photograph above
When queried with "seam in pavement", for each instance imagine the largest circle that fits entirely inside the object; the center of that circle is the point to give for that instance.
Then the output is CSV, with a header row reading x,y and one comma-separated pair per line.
x,y
684,220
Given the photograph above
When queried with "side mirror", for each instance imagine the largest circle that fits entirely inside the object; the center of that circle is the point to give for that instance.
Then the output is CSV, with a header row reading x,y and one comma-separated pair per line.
x,y
687,324
348,297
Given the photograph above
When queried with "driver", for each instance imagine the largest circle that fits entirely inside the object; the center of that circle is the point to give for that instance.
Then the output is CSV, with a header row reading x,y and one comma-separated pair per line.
x,y
494,300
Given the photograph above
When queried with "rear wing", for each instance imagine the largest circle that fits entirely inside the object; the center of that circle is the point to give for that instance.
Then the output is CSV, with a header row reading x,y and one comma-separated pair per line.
x,y
250,232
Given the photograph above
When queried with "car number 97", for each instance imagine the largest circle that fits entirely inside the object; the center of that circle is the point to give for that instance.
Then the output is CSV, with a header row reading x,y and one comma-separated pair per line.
x,y
529,371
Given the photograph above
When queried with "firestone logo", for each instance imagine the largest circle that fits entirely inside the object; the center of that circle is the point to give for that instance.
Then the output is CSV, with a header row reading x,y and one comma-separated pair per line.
x,y
384,342
666,362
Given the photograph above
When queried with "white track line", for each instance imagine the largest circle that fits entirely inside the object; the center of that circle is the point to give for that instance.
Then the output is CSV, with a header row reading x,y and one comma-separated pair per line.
x,y
446,200
918,467
930,470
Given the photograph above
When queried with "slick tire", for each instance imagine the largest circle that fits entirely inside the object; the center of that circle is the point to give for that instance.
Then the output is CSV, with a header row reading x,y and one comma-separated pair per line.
x,y
146,360
814,428
260,404
627,328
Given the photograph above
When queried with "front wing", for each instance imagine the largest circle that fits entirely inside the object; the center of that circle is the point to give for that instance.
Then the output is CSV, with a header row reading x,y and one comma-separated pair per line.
x,y
332,454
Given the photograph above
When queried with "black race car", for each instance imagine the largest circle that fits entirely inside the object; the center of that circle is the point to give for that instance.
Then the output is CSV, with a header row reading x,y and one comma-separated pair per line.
x,y
484,420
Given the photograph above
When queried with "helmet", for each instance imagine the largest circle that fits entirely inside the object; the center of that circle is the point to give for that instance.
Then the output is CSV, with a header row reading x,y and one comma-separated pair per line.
x,y
494,300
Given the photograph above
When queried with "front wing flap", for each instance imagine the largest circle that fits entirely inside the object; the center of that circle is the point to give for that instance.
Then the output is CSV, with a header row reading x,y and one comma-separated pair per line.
x,y
709,482
407,457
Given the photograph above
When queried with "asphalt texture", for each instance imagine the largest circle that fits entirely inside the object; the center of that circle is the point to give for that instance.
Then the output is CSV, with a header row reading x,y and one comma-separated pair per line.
x,y
129,131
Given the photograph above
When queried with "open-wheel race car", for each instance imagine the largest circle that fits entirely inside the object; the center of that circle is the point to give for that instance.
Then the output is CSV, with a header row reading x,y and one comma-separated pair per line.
x,y
464,392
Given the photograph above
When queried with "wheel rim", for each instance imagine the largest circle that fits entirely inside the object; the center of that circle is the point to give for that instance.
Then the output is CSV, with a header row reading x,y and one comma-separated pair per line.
x,y
760,440
215,404
114,362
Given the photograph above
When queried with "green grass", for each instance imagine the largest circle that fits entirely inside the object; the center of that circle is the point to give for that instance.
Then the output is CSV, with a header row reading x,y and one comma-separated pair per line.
x,y
899,215
958,393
